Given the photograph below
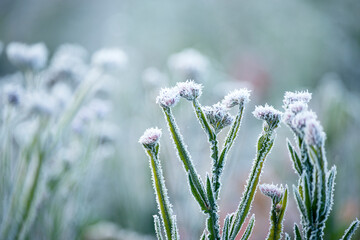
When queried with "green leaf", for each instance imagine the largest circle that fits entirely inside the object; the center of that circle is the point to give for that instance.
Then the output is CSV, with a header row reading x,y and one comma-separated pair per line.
x,y
297,232
300,203
249,228
202,202
330,190
351,230
295,158
225,234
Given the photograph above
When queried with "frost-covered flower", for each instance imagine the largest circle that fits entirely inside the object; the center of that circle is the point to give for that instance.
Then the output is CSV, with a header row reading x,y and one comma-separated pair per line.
x,y
273,191
292,97
168,97
42,104
150,137
218,116
237,97
189,63
314,133
300,121
189,89
110,59
13,94
25,56
268,114
293,109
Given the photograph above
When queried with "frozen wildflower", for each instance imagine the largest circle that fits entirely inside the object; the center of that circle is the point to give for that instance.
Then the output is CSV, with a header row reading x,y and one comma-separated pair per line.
x,y
189,90
314,133
293,109
153,77
168,97
299,122
237,97
25,56
218,116
292,97
268,114
150,137
189,63
272,191
110,59
13,94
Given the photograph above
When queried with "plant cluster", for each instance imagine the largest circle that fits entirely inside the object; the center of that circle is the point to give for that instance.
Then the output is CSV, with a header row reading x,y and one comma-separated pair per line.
x,y
313,193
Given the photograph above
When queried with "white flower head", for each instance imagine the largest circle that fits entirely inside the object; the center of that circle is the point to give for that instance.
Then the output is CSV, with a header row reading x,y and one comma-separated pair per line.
x,y
42,104
110,59
273,191
189,63
314,133
300,121
237,97
13,94
189,89
292,97
268,114
150,137
218,116
25,56
168,97
293,109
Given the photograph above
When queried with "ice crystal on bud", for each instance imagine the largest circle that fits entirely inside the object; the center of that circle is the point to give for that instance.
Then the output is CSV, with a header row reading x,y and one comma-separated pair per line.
x,y
268,114
168,97
314,133
25,56
273,191
150,137
110,59
237,97
218,116
292,97
189,89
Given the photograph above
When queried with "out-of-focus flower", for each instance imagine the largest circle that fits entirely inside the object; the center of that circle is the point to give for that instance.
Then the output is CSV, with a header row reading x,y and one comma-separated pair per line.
x,y
153,77
110,59
236,97
168,97
189,63
218,116
189,89
25,56
150,137
13,94
42,104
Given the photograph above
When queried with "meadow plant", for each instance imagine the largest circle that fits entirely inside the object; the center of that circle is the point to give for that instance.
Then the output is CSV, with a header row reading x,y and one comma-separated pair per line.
x,y
315,188
48,116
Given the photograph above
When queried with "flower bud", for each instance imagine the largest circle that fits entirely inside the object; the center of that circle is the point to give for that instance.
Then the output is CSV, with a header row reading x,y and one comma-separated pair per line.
x,y
189,89
292,97
268,114
237,97
273,191
150,137
314,133
218,116
168,97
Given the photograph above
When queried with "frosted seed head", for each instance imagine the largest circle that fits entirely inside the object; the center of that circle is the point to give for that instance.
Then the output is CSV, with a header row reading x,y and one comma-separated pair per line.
x,y
189,63
292,111
110,59
314,133
189,89
168,97
268,114
273,191
218,116
299,122
25,56
13,94
298,96
237,97
150,137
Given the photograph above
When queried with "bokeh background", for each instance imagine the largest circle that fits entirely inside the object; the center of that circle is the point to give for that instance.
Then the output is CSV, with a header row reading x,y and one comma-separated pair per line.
x,y
270,47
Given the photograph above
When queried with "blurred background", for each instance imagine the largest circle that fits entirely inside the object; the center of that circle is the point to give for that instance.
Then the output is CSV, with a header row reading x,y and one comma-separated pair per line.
x,y
270,47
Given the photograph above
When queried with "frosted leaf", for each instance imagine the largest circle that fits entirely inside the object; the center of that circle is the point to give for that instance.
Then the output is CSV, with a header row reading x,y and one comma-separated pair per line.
x,y
150,137
189,89
25,56
168,97
237,97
